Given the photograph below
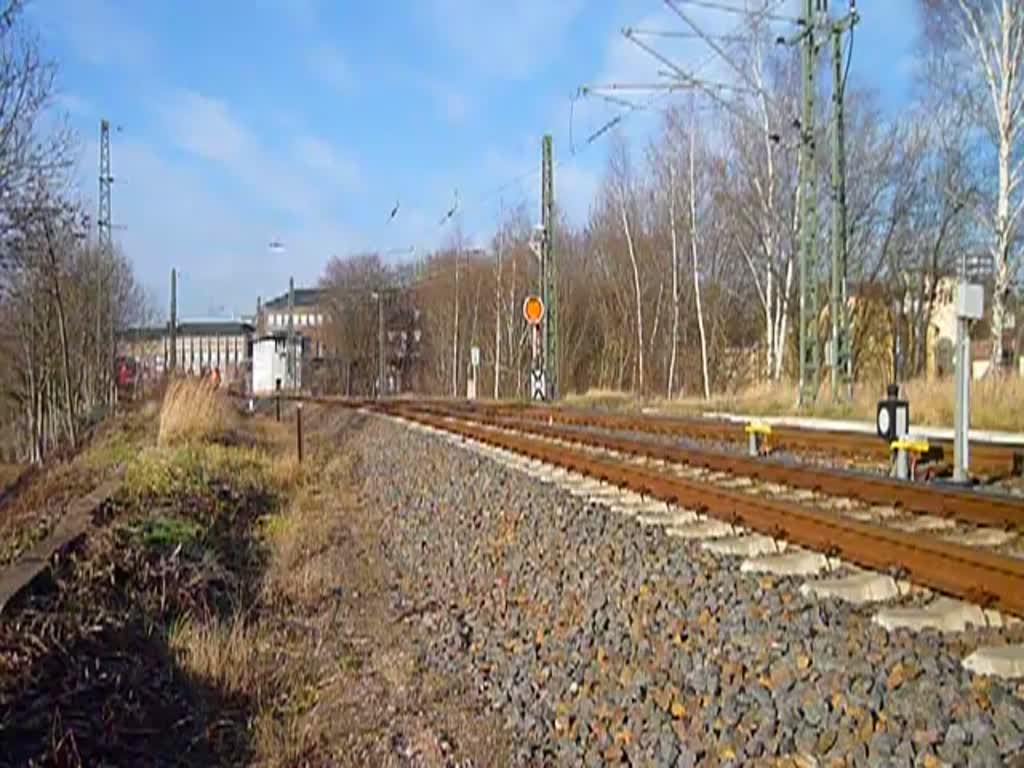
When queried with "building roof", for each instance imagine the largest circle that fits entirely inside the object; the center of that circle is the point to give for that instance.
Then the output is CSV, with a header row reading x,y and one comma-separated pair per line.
x,y
214,328
152,333
189,328
277,336
304,297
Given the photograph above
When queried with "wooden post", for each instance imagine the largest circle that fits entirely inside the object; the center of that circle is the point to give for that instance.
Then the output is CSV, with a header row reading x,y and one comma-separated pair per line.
x,y
298,430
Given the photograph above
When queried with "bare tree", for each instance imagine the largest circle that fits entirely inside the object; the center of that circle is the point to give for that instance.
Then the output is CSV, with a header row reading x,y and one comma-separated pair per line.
x,y
625,200
675,281
989,41
694,250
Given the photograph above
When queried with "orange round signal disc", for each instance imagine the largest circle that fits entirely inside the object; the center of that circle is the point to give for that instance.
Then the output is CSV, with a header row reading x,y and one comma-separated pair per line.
x,y
533,310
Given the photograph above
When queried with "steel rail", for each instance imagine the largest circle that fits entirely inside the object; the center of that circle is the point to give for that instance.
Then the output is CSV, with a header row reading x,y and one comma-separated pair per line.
x,y
953,503
976,575
986,458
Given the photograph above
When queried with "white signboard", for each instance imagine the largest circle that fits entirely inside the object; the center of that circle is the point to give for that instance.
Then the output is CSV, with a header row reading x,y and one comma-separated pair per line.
x,y
474,356
537,385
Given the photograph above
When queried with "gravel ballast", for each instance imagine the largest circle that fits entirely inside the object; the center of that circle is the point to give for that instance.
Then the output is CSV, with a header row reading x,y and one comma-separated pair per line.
x,y
599,641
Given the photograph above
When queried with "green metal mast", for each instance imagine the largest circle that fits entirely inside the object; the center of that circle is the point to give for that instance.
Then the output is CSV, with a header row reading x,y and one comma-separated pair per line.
x,y
842,356
550,271
809,353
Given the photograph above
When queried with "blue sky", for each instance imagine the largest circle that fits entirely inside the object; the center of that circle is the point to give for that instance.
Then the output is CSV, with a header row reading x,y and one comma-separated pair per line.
x,y
305,121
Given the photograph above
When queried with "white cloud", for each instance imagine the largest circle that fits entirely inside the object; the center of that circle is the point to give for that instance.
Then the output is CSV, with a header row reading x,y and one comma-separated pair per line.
x,y
168,215
330,65
74,104
455,105
305,180
575,189
626,62
303,12
206,128
507,39
98,32
451,103
321,157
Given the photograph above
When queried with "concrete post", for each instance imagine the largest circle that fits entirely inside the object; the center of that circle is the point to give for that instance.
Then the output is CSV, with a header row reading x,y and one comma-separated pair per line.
x,y
962,405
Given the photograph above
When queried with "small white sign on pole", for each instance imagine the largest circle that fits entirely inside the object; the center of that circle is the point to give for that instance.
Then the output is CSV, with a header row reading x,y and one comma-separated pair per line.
x,y
474,356
537,387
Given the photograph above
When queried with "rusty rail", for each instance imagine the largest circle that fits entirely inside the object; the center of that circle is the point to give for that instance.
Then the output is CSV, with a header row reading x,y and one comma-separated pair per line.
x,y
953,503
972,574
991,459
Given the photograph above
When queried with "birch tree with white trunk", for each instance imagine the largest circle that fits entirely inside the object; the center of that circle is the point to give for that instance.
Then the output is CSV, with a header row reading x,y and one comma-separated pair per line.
x,y
766,198
695,252
675,278
990,37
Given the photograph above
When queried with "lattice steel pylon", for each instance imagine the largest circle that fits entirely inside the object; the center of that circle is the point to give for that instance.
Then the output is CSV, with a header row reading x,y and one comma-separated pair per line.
x,y
103,221
809,351
106,247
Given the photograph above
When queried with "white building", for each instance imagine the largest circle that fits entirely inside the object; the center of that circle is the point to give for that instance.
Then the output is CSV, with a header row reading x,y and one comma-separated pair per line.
x,y
270,364
308,317
201,345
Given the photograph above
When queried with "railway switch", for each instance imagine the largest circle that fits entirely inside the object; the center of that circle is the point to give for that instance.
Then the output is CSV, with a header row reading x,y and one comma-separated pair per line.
x,y
892,422
908,450
757,437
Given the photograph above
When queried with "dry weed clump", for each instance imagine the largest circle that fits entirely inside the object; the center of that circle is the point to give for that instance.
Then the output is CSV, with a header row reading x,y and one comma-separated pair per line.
x,y
193,409
286,473
603,398
302,568
222,654
997,403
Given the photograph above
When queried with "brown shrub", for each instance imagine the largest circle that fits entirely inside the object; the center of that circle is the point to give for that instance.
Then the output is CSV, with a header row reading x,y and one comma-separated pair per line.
x,y
193,409
997,402
303,568
224,655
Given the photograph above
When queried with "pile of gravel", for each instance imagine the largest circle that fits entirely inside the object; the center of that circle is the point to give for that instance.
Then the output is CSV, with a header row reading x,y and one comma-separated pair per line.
x,y
599,640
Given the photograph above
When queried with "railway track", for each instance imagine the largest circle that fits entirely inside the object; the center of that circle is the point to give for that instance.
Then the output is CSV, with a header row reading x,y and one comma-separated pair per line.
x,y
983,578
987,459
942,501
560,439
587,576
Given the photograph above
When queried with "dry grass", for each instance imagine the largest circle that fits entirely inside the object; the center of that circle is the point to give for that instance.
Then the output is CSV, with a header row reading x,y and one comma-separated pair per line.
x,y
267,431
996,403
194,410
286,473
602,398
271,653
9,473
302,568
280,739
223,655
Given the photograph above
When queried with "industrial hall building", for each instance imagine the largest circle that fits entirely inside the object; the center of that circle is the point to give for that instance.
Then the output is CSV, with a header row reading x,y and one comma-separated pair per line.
x,y
201,345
